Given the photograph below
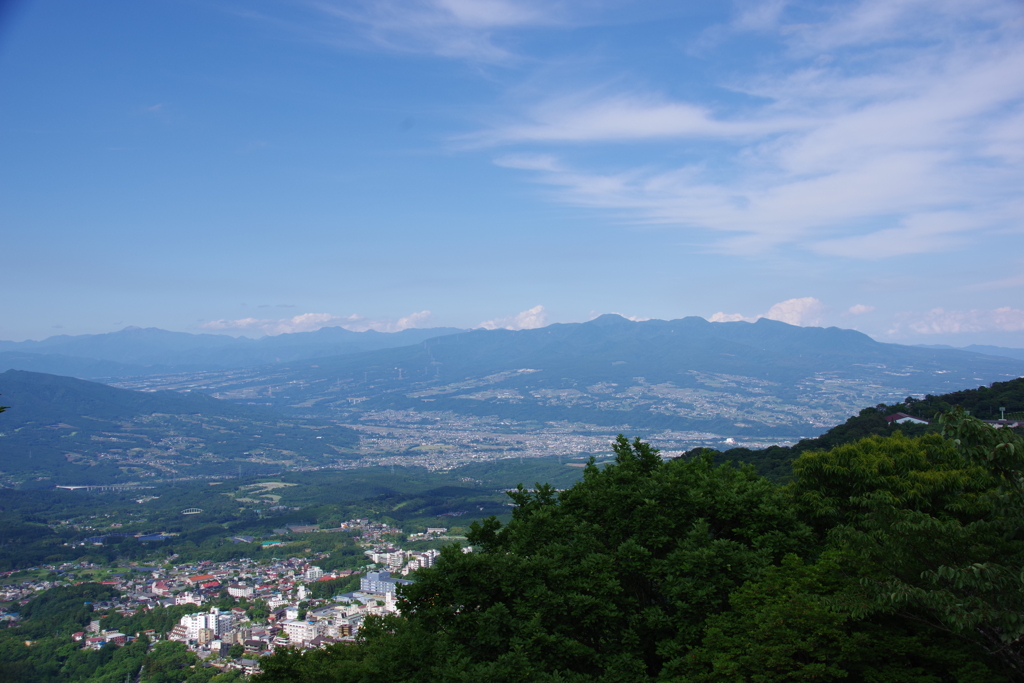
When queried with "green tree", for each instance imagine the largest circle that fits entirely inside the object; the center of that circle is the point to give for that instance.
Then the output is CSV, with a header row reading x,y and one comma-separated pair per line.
x,y
613,579
891,559
932,526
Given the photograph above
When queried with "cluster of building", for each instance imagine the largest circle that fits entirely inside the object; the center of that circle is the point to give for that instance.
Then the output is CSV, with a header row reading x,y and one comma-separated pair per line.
x,y
403,561
278,607
322,622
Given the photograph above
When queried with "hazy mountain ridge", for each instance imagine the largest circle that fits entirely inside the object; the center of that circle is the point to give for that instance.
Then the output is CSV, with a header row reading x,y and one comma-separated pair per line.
x,y
986,349
64,430
706,383
765,378
137,351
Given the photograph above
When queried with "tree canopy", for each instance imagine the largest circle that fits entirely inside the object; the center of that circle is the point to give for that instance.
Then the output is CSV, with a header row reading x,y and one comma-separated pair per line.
x,y
889,559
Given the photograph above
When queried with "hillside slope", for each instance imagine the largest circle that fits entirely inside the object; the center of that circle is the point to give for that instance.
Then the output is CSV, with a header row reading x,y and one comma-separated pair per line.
x,y
765,378
61,430
984,403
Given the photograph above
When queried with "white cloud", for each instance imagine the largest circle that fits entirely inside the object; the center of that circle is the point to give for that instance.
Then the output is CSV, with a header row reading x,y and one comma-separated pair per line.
x,y
462,29
885,128
721,317
309,322
530,162
585,118
941,321
413,320
634,318
921,233
803,312
860,309
527,320
759,16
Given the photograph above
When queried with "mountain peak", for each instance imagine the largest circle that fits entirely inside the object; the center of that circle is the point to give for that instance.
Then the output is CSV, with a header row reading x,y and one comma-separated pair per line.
x,y
609,319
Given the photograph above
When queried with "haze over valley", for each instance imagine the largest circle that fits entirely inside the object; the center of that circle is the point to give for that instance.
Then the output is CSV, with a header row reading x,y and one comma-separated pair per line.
x,y
449,398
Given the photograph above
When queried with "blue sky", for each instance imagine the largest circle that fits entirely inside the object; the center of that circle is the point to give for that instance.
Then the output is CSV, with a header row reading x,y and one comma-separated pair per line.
x,y
258,166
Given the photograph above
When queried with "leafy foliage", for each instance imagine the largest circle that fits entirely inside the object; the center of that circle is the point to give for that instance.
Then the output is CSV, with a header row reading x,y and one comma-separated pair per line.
x,y
889,559
775,462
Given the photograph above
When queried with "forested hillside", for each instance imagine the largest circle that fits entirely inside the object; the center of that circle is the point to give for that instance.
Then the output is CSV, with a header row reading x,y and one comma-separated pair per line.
x,y
984,403
889,559
61,430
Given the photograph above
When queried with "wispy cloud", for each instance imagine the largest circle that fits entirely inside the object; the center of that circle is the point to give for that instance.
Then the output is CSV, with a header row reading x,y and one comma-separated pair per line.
x,y
881,129
527,320
803,312
941,321
462,29
594,117
1002,283
309,322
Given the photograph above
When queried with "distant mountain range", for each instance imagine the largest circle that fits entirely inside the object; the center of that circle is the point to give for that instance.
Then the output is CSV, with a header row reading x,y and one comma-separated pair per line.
x,y
755,381
136,351
981,348
764,378
70,431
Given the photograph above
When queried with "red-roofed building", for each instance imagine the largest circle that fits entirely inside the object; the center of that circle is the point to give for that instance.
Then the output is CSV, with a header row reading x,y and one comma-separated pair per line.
x,y
199,578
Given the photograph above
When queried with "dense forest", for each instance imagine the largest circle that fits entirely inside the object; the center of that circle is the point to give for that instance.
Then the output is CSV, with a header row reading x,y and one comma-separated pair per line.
x,y
776,462
893,558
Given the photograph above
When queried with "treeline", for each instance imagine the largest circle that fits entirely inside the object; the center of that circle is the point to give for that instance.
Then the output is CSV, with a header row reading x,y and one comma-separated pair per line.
x,y
138,661
40,650
323,590
775,462
890,559
63,609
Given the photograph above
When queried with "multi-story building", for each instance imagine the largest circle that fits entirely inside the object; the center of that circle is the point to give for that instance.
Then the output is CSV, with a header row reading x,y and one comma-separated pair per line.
x,y
213,621
276,601
238,590
380,583
428,557
302,631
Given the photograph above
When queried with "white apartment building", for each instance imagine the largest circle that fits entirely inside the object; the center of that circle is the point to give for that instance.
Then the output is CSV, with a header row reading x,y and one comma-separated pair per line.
x,y
302,631
213,621
276,601
238,590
